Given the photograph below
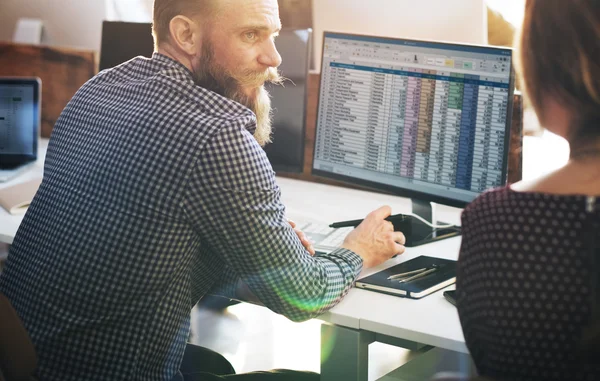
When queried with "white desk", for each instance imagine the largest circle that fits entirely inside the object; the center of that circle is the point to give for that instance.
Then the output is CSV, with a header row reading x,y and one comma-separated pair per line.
x,y
365,316
9,224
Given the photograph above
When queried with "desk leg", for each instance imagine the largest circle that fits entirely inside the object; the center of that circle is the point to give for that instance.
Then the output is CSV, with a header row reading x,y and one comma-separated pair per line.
x,y
344,353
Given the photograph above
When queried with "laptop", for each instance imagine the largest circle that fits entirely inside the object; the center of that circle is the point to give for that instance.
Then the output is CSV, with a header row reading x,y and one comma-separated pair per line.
x,y
20,120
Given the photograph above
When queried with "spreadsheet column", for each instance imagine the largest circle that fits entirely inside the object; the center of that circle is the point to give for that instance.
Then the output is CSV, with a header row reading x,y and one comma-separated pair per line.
x,y
411,125
396,132
467,132
497,131
485,110
378,118
454,118
353,92
425,120
326,118
438,130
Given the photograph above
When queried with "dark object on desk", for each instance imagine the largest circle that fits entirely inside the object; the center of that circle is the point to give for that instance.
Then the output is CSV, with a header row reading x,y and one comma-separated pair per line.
x,y
450,296
395,219
415,231
444,276
62,71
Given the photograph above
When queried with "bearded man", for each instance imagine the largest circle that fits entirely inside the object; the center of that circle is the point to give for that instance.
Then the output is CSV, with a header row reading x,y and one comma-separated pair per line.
x,y
156,192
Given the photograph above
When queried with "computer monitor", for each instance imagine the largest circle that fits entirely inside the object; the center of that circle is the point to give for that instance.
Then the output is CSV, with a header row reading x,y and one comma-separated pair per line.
x,y
122,41
20,120
286,153
426,120
462,21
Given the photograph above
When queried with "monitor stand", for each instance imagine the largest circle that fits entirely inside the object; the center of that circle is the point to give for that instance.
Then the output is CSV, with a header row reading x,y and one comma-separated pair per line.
x,y
418,233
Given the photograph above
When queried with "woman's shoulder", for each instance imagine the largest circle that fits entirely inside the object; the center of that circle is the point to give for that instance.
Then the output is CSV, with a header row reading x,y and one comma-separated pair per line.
x,y
506,201
492,199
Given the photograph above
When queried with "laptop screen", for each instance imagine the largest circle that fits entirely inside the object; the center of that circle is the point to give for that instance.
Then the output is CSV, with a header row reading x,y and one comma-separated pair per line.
x,y
19,119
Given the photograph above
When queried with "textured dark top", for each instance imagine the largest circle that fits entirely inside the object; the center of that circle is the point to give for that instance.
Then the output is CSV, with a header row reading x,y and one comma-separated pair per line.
x,y
524,285
154,193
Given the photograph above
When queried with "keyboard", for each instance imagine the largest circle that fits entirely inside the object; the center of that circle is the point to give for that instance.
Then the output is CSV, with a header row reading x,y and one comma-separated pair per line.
x,y
325,239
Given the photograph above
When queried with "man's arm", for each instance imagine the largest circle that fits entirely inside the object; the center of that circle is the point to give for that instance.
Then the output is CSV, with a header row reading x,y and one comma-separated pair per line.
x,y
234,203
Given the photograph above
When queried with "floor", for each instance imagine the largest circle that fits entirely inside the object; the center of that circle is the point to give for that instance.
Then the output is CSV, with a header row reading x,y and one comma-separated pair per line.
x,y
254,338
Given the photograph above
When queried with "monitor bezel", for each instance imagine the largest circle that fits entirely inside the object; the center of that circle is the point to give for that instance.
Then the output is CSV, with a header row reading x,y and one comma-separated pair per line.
x,y
285,168
400,191
109,27
36,83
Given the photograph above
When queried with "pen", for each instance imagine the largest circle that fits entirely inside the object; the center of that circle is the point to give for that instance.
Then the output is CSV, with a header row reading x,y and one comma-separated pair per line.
x,y
425,273
405,275
355,223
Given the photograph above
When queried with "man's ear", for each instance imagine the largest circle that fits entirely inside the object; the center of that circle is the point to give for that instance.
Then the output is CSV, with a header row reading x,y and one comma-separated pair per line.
x,y
185,34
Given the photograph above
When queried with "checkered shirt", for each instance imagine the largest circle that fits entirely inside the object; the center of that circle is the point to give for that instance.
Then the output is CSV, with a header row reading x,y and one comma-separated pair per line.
x,y
155,193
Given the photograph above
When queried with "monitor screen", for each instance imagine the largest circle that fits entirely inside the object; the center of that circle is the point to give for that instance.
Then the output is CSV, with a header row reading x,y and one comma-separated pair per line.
x,y
421,119
286,153
122,41
19,120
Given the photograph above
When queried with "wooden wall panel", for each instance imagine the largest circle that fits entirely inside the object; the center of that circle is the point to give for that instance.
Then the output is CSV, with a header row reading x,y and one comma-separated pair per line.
x,y
63,72
296,14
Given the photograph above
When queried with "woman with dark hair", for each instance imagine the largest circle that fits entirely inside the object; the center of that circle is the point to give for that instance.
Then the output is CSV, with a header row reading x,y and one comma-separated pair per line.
x,y
528,279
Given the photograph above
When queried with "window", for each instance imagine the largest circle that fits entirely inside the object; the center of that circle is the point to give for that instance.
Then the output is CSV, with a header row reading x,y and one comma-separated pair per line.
x,y
512,10
129,10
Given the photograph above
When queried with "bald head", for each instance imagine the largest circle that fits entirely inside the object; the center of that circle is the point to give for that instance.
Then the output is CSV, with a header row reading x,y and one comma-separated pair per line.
x,y
167,10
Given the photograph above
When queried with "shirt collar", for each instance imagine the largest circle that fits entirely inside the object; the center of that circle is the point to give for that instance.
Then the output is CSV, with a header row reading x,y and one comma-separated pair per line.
x,y
179,71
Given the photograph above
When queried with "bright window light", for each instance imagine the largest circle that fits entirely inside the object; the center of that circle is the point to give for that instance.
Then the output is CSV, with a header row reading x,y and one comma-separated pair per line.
x,y
512,10
129,10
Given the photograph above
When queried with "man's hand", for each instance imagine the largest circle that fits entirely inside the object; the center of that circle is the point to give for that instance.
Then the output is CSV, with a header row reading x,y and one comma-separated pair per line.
x,y
303,238
375,240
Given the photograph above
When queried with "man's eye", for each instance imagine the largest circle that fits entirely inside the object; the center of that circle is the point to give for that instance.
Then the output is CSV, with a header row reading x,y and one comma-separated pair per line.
x,y
250,36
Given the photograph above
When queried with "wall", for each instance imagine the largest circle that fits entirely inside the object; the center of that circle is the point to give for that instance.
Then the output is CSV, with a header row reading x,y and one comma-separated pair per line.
x,y
67,23
462,21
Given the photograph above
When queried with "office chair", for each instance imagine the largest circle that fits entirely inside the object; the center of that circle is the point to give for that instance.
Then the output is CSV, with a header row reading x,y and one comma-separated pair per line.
x,y
17,354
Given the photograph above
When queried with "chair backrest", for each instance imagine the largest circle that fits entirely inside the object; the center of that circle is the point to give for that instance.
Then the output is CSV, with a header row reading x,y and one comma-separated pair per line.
x,y
17,354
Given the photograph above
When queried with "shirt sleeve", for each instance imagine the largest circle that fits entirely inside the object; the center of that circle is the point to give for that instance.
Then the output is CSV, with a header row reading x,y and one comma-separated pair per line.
x,y
233,202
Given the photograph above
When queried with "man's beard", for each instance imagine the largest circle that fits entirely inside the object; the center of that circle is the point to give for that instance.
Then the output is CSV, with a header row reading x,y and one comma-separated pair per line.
x,y
212,76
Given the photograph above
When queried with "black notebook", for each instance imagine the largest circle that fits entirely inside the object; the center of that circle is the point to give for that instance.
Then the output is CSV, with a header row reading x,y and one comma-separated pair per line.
x,y
443,276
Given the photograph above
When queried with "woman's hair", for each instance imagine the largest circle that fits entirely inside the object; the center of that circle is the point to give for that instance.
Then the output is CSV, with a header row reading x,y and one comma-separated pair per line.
x,y
560,58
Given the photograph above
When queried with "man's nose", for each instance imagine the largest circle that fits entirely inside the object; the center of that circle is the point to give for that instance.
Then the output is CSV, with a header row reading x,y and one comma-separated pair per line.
x,y
269,56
